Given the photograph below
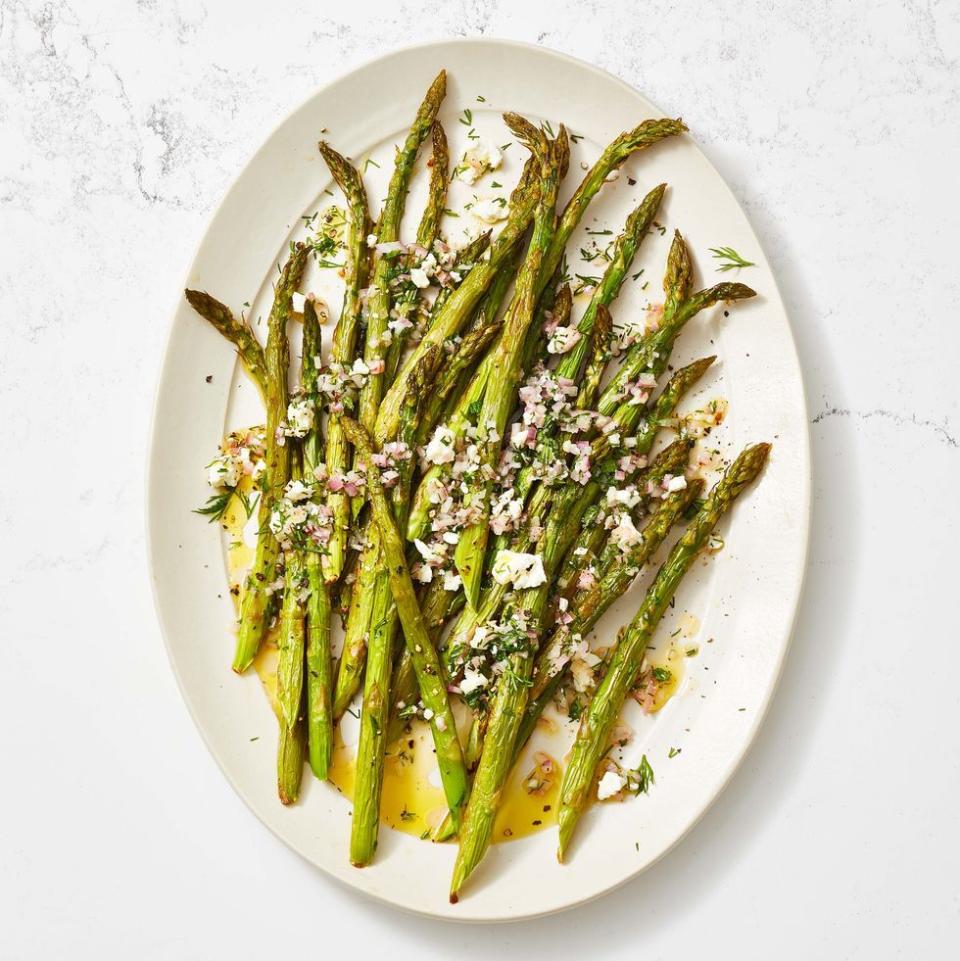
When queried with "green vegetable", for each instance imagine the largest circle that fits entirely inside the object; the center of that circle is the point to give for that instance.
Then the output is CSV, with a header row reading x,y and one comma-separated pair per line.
x,y
601,715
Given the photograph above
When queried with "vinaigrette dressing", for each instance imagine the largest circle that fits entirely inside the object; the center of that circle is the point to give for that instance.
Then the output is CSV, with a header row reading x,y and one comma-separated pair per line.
x,y
412,799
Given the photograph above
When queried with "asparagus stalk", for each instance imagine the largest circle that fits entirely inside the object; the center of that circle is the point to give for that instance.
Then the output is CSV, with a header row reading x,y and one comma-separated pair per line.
x,y
356,636
383,621
500,735
388,230
506,357
319,667
290,753
644,135
473,346
256,605
601,715
238,332
419,645
427,233
597,361
291,639
345,343
625,248
614,578
461,303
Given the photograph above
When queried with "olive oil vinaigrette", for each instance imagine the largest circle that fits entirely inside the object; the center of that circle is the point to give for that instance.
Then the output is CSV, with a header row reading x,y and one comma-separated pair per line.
x,y
412,799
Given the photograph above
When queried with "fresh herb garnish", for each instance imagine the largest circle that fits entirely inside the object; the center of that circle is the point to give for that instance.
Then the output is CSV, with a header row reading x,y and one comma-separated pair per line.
x,y
641,778
729,259
216,506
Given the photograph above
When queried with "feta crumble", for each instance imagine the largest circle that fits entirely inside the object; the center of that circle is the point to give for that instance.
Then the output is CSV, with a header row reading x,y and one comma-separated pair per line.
x,y
490,210
478,160
611,784
521,570
440,449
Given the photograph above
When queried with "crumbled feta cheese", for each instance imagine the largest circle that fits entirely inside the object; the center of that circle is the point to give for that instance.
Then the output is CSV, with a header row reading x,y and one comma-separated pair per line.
x,y
623,496
371,240
472,681
223,472
610,784
521,570
419,277
490,210
480,158
451,581
677,483
562,339
296,491
582,665
625,535
299,417
440,449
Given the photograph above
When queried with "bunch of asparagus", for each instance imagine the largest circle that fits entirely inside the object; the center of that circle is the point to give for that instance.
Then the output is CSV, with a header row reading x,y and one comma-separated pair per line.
x,y
484,421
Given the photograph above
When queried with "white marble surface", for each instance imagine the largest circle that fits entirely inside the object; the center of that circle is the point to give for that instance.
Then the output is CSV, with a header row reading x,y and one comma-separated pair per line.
x,y
837,127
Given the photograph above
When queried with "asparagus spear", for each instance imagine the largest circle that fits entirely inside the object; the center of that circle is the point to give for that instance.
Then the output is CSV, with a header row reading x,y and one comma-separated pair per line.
x,y
427,233
604,708
256,604
652,352
503,721
625,248
365,601
356,636
589,604
319,668
345,342
459,307
383,621
429,228
506,357
290,753
419,645
473,346
291,639
599,358
644,135
388,230
238,332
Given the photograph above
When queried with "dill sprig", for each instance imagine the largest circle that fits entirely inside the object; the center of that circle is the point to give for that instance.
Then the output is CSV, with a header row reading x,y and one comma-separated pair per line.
x,y
729,259
641,778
